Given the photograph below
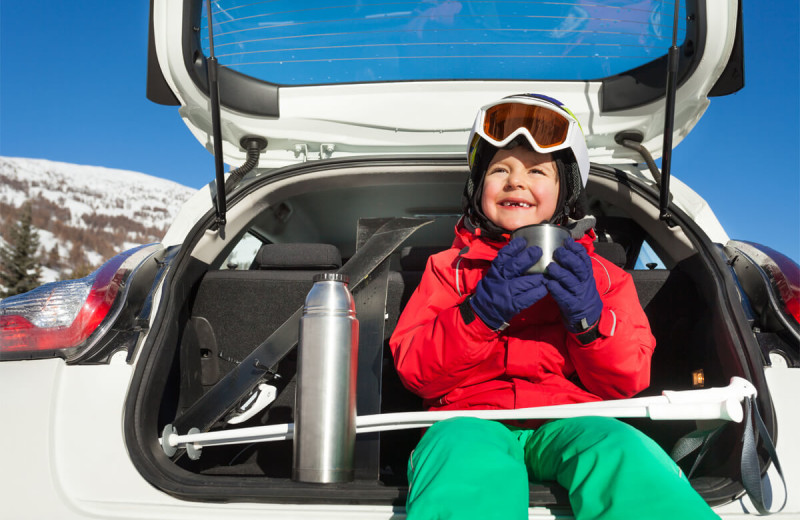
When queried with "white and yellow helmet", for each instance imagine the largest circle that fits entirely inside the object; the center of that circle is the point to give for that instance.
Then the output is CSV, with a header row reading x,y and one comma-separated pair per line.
x,y
540,122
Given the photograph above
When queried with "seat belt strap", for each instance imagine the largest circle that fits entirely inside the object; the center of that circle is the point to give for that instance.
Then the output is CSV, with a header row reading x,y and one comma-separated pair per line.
x,y
751,466
700,439
370,299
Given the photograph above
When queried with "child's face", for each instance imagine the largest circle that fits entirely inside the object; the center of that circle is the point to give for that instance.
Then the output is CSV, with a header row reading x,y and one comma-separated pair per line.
x,y
520,188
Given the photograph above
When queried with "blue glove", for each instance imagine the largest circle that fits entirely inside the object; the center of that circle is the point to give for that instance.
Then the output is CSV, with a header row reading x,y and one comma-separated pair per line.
x,y
571,283
505,289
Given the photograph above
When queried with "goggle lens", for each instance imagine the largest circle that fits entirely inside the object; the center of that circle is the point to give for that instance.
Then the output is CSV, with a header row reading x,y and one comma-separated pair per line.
x,y
547,127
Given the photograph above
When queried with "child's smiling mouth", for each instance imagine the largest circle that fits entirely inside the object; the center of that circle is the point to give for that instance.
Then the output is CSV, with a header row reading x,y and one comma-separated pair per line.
x,y
515,204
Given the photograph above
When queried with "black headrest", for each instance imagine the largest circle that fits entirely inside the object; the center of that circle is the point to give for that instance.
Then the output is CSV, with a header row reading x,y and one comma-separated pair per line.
x,y
611,251
414,258
317,257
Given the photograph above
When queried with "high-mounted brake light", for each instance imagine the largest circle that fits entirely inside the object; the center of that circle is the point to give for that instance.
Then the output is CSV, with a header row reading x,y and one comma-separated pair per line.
x,y
59,317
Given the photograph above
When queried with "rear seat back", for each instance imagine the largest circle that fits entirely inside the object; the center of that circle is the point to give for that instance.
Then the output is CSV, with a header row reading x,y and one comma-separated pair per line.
x,y
612,252
234,311
674,310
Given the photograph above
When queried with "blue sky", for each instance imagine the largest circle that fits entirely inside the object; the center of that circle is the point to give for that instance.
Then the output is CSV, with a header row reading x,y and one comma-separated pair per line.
x,y
72,89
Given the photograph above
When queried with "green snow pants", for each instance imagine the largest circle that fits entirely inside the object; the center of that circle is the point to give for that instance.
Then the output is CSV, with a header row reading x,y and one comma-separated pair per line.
x,y
471,468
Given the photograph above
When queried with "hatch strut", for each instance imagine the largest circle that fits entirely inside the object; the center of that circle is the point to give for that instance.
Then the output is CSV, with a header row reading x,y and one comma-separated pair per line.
x,y
633,139
216,131
669,117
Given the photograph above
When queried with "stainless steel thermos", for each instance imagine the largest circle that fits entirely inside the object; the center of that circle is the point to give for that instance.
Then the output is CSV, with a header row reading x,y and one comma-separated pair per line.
x,y
325,400
549,237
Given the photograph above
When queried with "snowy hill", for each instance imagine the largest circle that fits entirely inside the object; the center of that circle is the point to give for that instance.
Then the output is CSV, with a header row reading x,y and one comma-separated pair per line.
x,y
85,214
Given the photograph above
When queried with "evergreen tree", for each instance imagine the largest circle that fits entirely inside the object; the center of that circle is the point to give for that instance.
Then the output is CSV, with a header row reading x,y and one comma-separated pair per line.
x,y
19,268
53,258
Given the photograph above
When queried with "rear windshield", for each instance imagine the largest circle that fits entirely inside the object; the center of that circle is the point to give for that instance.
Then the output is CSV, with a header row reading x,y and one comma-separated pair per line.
x,y
326,42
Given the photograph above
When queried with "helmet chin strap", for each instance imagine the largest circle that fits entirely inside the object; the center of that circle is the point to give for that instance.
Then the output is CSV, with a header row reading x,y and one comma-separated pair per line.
x,y
562,206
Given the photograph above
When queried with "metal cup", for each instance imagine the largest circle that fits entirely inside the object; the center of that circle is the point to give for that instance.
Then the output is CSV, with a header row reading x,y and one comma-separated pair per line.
x,y
547,236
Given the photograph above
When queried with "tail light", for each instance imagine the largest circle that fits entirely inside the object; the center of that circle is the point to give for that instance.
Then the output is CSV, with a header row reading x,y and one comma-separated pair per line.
x,y
771,281
785,275
64,318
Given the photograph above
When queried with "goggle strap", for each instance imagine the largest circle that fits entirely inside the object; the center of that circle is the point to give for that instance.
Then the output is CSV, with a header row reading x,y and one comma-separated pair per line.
x,y
473,149
568,111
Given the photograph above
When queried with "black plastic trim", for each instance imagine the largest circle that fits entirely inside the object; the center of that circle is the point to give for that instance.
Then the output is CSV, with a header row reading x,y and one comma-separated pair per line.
x,y
237,91
648,82
732,78
158,90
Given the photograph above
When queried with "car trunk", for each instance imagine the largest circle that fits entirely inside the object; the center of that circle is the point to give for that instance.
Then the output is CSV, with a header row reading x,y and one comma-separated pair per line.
x,y
213,317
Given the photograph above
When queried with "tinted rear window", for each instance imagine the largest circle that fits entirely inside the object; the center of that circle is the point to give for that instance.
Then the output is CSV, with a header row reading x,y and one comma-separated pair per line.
x,y
300,43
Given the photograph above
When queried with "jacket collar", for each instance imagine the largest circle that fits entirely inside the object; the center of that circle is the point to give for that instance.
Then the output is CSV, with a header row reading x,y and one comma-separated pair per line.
x,y
472,246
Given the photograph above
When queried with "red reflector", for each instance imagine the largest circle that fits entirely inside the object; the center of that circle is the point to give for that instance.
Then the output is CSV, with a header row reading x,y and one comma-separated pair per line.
x,y
19,335
15,333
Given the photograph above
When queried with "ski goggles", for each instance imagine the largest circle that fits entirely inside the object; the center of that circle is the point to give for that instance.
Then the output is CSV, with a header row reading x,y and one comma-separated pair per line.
x,y
548,125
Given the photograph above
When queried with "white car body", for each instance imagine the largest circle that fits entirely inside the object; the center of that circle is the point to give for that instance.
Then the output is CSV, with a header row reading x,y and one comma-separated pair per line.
x,y
64,450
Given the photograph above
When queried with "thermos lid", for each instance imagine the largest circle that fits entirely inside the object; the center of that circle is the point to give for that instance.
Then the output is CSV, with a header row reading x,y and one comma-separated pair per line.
x,y
331,277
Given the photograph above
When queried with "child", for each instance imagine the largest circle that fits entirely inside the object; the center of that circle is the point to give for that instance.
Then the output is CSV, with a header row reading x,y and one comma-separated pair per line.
x,y
480,333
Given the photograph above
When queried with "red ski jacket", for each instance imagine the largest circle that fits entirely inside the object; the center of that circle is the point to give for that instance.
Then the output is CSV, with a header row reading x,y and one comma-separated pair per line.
x,y
535,361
